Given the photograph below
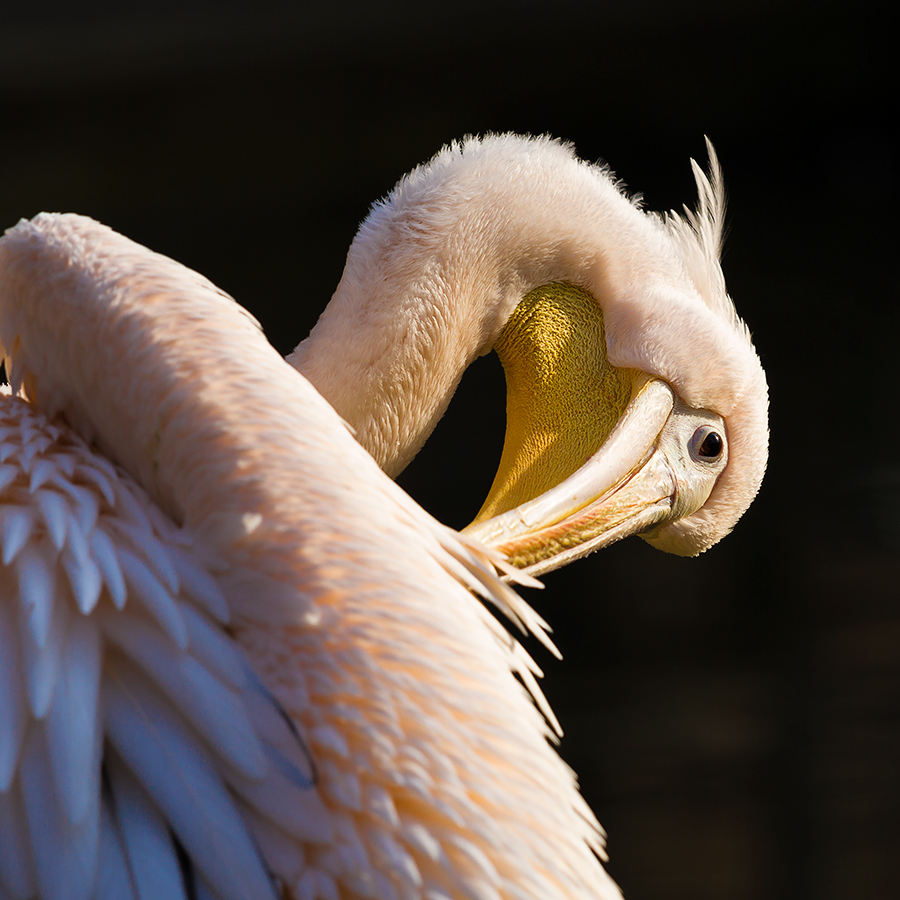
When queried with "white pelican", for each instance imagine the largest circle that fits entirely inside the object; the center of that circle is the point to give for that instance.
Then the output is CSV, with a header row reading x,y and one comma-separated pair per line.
x,y
236,660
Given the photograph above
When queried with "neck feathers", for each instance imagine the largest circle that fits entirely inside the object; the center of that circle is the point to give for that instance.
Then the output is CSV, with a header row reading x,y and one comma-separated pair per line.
x,y
438,267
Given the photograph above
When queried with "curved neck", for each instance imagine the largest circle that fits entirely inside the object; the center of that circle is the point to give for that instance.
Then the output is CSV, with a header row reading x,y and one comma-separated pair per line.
x,y
437,269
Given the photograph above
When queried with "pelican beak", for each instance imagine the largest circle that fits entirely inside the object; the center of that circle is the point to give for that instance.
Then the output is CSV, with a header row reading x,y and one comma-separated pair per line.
x,y
593,452
628,486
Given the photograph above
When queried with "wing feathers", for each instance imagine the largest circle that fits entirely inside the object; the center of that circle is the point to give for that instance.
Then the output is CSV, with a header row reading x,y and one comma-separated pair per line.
x,y
15,529
182,779
16,864
114,881
151,854
211,707
41,664
73,732
112,653
154,596
65,854
13,714
53,509
37,588
214,650
104,555
160,686
199,585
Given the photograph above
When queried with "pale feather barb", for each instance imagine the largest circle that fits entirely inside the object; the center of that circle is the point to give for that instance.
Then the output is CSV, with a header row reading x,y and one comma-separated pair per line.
x,y
700,232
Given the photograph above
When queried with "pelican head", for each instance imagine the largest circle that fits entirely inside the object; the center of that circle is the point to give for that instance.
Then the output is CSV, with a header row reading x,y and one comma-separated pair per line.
x,y
636,402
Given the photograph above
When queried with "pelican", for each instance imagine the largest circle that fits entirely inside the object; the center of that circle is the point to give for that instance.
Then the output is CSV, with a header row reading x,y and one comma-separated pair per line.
x,y
236,660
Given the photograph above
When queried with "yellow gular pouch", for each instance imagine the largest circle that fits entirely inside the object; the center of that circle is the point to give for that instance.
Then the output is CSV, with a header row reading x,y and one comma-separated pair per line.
x,y
562,395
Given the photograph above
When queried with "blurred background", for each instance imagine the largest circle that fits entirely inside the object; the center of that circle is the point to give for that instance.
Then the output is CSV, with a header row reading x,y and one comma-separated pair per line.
x,y
734,719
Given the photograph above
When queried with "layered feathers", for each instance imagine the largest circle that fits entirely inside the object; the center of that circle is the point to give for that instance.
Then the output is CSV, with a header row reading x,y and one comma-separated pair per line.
x,y
127,711
312,700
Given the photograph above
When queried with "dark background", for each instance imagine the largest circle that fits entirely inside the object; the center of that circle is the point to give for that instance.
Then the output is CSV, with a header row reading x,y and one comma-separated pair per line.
x,y
734,719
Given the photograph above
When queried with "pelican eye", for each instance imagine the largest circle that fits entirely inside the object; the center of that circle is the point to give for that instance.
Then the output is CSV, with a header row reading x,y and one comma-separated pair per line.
x,y
707,444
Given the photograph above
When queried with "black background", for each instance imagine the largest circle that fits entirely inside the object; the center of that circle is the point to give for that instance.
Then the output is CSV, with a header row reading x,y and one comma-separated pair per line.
x,y
734,719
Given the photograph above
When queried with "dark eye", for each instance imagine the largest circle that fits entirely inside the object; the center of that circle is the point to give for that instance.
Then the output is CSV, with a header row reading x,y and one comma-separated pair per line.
x,y
707,444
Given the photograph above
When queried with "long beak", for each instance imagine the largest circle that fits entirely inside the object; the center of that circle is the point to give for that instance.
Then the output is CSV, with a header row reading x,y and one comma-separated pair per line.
x,y
625,488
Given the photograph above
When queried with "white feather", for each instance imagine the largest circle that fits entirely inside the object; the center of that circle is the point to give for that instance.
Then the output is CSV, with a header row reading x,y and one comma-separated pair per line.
x,y
84,575
53,509
177,772
41,664
36,573
342,786
296,809
398,859
286,746
73,728
85,505
114,880
100,474
214,710
153,596
16,863
42,471
380,803
13,710
417,836
8,474
329,738
65,854
220,714
104,555
199,585
16,523
138,525
216,651
146,839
